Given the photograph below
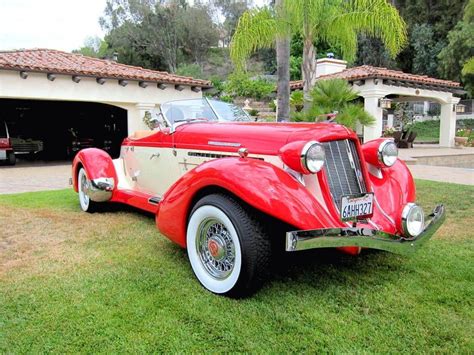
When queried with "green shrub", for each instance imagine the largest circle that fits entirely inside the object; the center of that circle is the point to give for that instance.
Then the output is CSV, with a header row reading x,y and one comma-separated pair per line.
x,y
253,112
192,70
241,85
297,100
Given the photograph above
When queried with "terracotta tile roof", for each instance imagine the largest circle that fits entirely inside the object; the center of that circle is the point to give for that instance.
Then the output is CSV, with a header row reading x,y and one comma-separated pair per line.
x,y
367,72
54,61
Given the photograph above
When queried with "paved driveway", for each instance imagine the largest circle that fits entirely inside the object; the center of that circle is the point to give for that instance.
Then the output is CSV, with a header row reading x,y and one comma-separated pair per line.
x,y
36,176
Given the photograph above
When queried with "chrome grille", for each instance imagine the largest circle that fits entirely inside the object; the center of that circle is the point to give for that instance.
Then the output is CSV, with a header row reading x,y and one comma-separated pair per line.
x,y
343,169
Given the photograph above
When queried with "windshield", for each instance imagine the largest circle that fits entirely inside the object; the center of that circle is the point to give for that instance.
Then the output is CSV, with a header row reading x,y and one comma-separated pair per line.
x,y
202,109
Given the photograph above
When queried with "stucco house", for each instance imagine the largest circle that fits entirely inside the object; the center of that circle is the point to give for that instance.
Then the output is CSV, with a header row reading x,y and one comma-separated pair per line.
x,y
45,93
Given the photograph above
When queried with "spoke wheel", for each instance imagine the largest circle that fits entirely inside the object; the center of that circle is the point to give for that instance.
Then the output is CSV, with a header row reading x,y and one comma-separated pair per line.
x,y
227,248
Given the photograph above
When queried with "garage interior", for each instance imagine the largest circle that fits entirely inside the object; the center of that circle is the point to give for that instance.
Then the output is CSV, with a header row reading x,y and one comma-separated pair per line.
x,y
64,127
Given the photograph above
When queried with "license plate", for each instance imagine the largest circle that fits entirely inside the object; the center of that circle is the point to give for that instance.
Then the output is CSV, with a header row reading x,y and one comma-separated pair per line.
x,y
3,154
356,206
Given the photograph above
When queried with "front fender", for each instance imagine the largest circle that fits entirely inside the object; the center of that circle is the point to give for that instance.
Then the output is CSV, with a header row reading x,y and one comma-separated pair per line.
x,y
260,184
96,162
393,188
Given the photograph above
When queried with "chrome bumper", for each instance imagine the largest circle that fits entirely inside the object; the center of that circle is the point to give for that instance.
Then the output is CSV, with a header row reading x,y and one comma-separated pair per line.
x,y
364,237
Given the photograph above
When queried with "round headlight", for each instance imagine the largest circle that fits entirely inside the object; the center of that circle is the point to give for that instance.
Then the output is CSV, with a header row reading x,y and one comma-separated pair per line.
x,y
413,220
312,157
388,153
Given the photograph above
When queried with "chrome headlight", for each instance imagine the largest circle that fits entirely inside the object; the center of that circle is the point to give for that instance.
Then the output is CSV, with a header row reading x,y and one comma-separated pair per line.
x,y
312,157
413,220
388,153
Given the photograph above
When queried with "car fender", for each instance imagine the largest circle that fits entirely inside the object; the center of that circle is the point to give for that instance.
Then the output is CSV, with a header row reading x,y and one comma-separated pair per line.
x,y
96,162
262,185
394,187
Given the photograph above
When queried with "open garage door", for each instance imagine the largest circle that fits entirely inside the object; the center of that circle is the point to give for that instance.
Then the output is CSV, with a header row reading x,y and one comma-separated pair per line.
x,y
57,130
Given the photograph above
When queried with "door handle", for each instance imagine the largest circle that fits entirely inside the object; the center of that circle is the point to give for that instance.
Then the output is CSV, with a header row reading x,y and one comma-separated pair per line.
x,y
154,155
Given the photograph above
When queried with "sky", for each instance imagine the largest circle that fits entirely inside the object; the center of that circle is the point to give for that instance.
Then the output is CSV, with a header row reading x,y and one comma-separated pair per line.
x,y
53,24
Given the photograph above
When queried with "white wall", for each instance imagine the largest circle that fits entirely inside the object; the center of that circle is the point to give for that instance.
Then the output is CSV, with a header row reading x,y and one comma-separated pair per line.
x,y
131,97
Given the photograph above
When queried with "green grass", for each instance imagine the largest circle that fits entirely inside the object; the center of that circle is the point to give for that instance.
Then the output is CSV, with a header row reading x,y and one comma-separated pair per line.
x,y
108,282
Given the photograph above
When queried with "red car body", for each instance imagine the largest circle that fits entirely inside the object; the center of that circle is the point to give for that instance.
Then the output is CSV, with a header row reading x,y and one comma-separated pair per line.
x,y
255,164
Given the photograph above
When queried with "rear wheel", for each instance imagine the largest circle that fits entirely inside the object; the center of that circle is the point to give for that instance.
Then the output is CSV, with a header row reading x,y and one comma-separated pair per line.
x,y
227,248
11,158
83,183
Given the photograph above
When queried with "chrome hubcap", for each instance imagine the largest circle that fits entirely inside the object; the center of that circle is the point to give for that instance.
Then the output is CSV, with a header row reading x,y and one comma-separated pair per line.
x,y
216,248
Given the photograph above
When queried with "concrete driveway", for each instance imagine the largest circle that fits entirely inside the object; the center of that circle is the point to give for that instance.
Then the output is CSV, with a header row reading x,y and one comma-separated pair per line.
x,y
34,176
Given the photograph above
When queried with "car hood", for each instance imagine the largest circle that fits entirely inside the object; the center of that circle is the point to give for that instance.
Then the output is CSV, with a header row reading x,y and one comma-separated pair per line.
x,y
258,138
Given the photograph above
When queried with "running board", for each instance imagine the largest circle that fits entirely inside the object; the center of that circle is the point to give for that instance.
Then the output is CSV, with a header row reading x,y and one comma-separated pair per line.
x,y
155,200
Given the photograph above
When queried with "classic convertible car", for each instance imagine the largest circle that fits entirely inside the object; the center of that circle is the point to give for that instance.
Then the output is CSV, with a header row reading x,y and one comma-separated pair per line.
x,y
230,191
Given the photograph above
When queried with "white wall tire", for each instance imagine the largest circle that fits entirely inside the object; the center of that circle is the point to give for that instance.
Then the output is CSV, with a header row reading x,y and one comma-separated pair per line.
x,y
225,247
87,205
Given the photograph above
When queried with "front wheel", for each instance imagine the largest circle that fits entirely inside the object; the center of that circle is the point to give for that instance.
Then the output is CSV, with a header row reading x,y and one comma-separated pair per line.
x,y
228,250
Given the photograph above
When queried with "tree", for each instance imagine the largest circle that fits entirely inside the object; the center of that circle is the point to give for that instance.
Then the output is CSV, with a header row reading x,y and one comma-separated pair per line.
x,y
231,10
456,53
425,50
197,32
283,66
95,47
336,22
150,34
336,96
371,51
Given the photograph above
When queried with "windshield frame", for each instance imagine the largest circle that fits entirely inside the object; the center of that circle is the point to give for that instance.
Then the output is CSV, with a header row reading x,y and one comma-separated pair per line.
x,y
175,124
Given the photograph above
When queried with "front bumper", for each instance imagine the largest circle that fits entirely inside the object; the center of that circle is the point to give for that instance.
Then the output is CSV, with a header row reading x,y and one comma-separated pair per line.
x,y
364,237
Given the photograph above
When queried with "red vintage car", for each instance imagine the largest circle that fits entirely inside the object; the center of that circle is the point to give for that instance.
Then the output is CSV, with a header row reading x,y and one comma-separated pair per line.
x,y
230,191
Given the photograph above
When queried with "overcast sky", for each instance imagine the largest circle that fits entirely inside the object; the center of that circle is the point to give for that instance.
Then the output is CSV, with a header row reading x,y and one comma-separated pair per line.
x,y
54,24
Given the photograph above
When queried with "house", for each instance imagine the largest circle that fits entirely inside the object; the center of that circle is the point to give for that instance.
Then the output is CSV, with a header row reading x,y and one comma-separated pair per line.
x,y
46,94
379,86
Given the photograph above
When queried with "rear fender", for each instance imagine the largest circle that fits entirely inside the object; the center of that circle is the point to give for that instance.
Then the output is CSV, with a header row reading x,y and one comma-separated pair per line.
x,y
97,163
263,186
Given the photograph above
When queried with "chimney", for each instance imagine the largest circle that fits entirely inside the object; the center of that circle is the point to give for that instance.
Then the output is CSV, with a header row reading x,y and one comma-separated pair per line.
x,y
329,65
115,57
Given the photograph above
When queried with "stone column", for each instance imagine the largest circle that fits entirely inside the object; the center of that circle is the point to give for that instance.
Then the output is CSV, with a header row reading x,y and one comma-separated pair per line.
x,y
390,120
447,129
371,105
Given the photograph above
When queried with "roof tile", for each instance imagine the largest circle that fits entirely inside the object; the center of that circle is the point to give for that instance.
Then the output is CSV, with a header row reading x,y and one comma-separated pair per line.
x,y
367,71
54,61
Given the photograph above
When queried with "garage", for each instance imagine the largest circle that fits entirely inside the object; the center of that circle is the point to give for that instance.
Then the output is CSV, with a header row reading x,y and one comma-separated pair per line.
x,y
55,103
56,130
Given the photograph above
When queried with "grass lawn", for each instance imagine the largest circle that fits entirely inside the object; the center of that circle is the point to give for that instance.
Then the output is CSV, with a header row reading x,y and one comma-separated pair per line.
x,y
108,282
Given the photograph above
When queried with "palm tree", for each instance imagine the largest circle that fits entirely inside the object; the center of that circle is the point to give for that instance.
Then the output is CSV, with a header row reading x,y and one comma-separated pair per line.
x,y
283,70
334,21
335,96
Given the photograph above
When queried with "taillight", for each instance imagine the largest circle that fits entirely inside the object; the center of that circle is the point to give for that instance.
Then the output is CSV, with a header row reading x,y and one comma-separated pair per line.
x,y
5,143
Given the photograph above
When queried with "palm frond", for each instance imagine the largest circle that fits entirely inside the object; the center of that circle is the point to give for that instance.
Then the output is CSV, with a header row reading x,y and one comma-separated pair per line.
x,y
257,28
332,95
376,18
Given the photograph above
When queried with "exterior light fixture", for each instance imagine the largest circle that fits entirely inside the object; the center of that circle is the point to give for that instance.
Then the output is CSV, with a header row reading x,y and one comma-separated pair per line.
x,y
51,77
76,78
143,84
459,108
123,82
23,74
161,86
179,87
195,88
100,81
385,103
